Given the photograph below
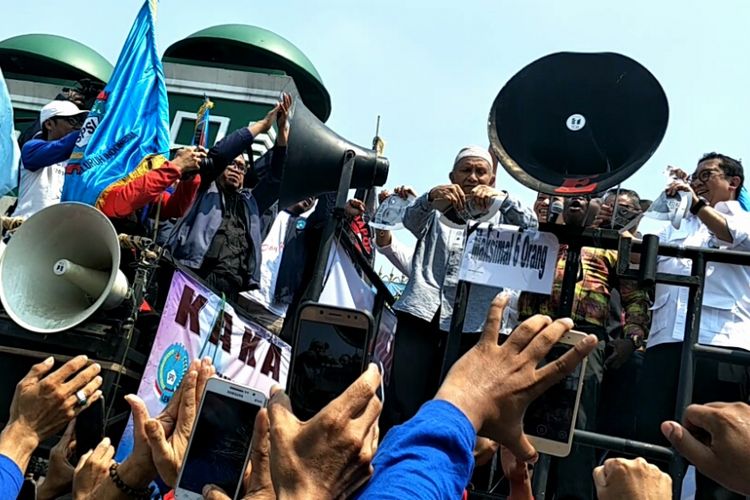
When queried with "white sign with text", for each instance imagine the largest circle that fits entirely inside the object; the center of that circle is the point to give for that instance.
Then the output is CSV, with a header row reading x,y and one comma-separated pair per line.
x,y
504,256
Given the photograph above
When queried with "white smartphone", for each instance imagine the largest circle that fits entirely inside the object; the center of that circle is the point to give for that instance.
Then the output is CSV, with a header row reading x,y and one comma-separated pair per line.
x,y
219,446
551,418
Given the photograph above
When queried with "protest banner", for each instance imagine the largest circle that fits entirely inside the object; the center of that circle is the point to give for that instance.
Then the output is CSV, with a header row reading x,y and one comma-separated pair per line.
x,y
504,256
197,323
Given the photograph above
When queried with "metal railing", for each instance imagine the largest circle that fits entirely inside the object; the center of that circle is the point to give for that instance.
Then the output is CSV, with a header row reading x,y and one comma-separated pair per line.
x,y
576,239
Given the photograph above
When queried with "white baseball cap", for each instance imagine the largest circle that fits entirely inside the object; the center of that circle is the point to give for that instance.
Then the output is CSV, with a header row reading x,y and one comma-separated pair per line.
x,y
60,108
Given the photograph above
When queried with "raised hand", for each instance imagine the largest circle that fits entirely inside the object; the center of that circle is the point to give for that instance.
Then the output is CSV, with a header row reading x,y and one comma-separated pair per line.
x,y
59,477
483,196
446,196
257,482
632,479
285,109
495,398
169,433
404,192
354,207
188,160
45,402
329,455
722,455
92,470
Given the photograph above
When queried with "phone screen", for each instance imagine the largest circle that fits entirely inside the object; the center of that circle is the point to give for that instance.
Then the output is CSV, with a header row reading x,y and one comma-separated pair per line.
x,y
221,440
327,360
383,352
550,416
89,428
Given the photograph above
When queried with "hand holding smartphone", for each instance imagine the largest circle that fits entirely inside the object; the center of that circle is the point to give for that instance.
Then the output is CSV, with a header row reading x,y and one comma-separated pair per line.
x,y
219,446
550,419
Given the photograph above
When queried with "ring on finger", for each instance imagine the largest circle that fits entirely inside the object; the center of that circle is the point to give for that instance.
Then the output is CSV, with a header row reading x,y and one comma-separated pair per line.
x,y
81,398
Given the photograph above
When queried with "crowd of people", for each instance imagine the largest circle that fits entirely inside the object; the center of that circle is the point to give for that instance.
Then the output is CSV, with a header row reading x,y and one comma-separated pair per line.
x,y
338,453
215,212
632,376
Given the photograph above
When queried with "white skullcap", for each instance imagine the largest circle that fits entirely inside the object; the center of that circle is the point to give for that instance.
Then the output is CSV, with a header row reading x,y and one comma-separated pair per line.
x,y
474,152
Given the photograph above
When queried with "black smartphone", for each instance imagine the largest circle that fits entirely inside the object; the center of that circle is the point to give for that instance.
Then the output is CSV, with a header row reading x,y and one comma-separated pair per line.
x,y
28,489
89,429
331,350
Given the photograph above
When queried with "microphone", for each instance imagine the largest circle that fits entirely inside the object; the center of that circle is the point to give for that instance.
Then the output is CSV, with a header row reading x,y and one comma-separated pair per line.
x,y
555,209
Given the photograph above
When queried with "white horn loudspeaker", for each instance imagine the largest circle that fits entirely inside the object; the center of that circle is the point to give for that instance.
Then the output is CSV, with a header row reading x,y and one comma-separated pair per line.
x,y
59,267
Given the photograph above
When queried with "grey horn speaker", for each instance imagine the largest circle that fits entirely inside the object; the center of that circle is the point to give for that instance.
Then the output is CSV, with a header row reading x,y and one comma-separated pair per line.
x,y
60,267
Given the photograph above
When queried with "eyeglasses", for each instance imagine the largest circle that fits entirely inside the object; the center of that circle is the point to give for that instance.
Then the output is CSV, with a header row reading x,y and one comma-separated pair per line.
x,y
704,175
239,167
72,120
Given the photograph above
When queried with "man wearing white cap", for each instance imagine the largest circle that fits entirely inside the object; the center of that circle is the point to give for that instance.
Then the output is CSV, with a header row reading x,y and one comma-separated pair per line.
x,y
424,310
44,157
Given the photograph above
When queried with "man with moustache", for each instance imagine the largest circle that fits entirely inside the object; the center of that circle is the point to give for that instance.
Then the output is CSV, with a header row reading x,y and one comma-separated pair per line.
x,y
425,308
220,236
718,219
597,278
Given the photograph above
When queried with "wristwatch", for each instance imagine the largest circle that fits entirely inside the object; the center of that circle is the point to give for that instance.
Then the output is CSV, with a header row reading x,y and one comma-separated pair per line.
x,y
696,207
637,341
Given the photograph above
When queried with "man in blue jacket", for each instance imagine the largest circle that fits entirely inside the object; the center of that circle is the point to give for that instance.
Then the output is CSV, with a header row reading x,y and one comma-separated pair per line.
x,y
44,157
220,237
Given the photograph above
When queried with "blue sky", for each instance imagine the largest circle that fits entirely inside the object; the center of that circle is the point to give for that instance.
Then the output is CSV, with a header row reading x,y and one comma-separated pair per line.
x,y
432,69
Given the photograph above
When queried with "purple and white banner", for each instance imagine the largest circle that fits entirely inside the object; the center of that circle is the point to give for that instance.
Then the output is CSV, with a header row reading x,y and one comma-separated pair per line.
x,y
194,325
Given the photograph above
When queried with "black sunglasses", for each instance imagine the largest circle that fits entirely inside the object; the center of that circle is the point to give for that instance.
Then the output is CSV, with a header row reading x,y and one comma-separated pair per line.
x,y
73,120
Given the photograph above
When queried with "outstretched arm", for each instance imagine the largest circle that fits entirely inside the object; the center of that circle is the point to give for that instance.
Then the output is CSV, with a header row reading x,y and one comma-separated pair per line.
x,y
178,203
38,153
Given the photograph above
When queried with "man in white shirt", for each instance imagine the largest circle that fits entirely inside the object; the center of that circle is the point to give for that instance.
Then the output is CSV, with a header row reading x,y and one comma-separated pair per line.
x,y
269,303
717,221
45,156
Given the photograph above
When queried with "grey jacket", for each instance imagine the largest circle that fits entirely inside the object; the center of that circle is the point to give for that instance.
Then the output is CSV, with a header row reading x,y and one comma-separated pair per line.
x,y
437,258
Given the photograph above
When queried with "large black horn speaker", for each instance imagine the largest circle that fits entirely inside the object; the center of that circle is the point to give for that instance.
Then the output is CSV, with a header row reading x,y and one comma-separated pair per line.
x,y
574,123
314,160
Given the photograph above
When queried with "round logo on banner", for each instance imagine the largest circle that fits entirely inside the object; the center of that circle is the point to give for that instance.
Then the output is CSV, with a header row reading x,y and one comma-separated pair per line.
x,y
173,366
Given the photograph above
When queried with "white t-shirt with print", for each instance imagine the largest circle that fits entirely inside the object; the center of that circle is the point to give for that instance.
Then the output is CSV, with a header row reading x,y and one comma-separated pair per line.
x,y
272,250
40,189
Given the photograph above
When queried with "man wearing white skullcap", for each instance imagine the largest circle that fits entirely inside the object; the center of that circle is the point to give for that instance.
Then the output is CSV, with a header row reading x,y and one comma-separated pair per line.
x,y
424,310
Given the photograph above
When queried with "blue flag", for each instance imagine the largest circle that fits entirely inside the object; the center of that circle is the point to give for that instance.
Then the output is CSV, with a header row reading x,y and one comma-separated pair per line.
x,y
127,129
9,153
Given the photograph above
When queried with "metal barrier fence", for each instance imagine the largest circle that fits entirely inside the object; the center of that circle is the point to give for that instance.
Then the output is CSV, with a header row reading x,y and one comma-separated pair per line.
x,y
646,274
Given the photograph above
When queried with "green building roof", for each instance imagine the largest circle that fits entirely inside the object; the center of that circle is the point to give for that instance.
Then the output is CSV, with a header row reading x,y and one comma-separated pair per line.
x,y
54,57
241,45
